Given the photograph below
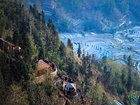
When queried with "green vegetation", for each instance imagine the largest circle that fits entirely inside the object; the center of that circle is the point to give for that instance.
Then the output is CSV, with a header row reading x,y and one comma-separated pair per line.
x,y
39,40
79,51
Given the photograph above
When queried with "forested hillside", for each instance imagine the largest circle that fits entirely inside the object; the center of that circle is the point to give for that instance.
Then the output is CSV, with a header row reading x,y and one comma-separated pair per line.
x,y
90,15
39,39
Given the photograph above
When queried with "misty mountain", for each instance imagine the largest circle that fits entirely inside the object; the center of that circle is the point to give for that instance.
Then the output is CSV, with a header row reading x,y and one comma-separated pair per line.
x,y
90,15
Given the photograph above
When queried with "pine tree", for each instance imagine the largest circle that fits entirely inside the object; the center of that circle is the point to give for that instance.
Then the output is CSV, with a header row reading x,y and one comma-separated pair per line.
x,y
89,70
35,11
84,66
105,69
2,88
62,50
129,82
79,51
69,43
39,16
5,70
124,56
16,37
9,39
130,62
26,47
49,23
123,77
70,66
26,41
41,54
43,17
104,60
24,70
93,59
31,9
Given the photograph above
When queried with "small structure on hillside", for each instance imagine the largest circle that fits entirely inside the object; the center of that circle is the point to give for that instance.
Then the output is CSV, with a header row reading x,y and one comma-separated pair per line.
x,y
70,89
68,85
7,46
43,66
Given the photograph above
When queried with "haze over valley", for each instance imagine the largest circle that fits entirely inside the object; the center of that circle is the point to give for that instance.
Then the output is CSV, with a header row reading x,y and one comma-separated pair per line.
x,y
102,28
114,46
62,52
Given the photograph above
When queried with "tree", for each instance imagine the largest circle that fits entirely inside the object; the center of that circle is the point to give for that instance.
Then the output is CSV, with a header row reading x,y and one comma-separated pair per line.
x,y
39,16
24,70
5,70
89,70
2,22
41,54
2,88
62,50
79,51
129,82
93,59
123,77
26,47
136,65
105,69
70,66
127,100
124,56
97,94
17,96
16,37
43,17
130,62
26,41
84,66
104,60
34,10
31,9
50,23
69,43
104,100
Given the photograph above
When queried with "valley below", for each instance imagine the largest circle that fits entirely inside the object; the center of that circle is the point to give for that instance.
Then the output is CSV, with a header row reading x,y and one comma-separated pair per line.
x,y
117,46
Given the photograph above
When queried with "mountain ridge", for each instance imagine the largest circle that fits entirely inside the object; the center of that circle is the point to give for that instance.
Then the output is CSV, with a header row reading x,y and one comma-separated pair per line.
x,y
98,15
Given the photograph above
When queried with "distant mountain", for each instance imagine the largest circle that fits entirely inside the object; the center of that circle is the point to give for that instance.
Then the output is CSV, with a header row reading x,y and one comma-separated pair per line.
x,y
90,15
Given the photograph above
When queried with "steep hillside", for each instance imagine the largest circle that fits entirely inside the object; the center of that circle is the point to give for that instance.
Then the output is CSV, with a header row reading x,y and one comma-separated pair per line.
x,y
36,40
90,15
28,38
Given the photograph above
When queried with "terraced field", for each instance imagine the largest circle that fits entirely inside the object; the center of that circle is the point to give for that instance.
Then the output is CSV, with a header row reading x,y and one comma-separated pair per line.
x,y
114,46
